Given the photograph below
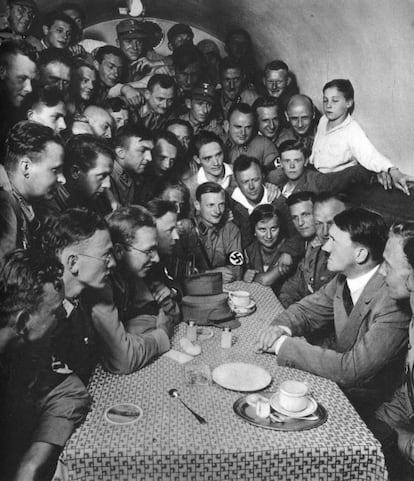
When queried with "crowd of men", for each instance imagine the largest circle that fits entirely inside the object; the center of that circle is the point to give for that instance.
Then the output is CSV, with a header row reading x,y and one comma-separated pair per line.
x,y
123,171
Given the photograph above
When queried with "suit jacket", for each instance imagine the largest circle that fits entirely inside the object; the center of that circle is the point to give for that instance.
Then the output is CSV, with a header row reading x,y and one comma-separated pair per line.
x,y
367,350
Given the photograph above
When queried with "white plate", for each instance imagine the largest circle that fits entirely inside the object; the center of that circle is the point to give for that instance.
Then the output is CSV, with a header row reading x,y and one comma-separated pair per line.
x,y
123,413
240,308
239,376
310,408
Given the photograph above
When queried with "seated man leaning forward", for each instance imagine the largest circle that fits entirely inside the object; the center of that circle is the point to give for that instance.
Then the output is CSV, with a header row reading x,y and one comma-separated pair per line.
x,y
369,331
217,243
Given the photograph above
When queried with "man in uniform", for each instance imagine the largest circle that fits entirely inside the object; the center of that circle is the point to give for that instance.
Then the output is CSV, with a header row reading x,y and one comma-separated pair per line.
x,y
268,120
133,146
199,110
278,83
218,246
242,138
312,272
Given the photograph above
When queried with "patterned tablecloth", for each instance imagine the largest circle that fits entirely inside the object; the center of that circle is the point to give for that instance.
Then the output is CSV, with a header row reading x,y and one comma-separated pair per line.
x,y
168,443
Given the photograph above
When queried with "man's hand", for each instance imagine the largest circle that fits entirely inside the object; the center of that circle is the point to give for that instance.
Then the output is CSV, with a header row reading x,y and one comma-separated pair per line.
x,y
400,180
165,322
163,296
249,275
273,192
384,178
77,51
285,263
267,337
132,96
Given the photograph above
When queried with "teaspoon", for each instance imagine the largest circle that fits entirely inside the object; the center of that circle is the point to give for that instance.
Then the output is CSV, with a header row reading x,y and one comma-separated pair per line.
x,y
175,394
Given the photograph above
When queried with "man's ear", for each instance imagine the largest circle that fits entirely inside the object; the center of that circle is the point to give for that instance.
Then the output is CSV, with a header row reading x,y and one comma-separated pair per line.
x,y
147,94
226,126
197,205
188,104
197,159
120,152
96,64
74,172
45,29
29,114
25,165
119,251
72,264
22,319
361,255
289,79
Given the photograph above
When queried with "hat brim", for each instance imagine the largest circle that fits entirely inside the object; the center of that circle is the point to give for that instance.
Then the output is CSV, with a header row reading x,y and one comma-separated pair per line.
x,y
203,98
130,36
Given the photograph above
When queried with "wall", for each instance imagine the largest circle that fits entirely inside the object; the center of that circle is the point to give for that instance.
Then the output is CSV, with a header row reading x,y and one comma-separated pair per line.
x,y
368,41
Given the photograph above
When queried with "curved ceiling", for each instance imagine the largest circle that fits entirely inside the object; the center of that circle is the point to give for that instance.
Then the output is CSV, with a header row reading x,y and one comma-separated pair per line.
x,y
369,42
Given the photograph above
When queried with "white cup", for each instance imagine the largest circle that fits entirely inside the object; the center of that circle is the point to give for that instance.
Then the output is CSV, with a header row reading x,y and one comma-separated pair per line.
x,y
292,395
240,298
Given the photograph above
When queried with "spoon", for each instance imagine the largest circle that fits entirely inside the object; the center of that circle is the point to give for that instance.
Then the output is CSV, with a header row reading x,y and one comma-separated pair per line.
x,y
175,394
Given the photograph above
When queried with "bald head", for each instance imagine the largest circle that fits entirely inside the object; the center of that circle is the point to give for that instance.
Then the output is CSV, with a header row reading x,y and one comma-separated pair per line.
x,y
300,113
100,121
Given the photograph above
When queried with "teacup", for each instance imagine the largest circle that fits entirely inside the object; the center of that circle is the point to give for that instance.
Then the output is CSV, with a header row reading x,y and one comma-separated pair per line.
x,y
292,395
240,298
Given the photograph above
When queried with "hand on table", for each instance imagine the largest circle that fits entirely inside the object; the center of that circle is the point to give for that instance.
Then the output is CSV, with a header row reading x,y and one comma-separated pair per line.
x,y
267,338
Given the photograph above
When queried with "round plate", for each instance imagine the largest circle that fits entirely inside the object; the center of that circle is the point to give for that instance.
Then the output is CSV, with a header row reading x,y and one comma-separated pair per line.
x,y
239,376
310,408
248,413
123,413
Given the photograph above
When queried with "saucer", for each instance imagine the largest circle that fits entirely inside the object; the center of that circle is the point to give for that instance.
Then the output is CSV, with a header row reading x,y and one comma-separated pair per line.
x,y
242,311
310,408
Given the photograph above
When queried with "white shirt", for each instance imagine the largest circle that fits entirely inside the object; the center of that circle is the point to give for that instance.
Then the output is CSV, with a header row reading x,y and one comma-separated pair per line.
x,y
356,286
224,181
344,146
239,197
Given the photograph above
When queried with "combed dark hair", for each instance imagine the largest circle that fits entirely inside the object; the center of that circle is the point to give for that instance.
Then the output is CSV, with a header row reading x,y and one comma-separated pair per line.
x,y
183,123
128,131
115,104
293,144
70,227
298,197
228,63
364,227
208,188
323,197
22,278
109,50
163,80
168,137
54,54
125,221
186,55
28,138
159,207
16,47
202,138
244,162
265,212
266,101
276,65
405,230
343,85
49,96
242,108
50,18
83,150
73,6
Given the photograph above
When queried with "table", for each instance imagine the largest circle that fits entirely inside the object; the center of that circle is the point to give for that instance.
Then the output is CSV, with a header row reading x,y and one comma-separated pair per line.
x,y
168,443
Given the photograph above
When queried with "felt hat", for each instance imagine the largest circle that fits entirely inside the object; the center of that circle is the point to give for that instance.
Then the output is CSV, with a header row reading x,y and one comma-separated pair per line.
x,y
207,284
209,310
131,28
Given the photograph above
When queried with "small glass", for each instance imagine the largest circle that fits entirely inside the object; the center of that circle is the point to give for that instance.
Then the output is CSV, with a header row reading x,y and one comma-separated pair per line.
x,y
197,374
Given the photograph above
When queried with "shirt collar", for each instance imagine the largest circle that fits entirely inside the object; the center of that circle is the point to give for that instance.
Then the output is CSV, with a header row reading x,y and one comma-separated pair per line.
x,y
239,197
347,121
224,181
357,284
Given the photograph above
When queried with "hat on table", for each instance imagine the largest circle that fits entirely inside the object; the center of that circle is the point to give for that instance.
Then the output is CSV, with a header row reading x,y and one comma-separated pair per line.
x,y
207,284
210,310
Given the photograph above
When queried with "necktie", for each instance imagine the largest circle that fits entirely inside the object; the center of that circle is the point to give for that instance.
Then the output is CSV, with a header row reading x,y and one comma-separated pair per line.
x,y
346,296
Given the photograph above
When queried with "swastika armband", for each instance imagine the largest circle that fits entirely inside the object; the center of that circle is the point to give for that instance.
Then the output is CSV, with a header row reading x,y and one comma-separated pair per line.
x,y
236,258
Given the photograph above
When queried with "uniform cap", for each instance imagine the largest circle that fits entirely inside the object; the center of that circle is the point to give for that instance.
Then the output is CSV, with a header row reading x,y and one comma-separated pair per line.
x,y
130,28
204,91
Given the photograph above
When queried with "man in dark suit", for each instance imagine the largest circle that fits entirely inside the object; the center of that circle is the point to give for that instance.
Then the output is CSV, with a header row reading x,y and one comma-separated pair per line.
x,y
368,329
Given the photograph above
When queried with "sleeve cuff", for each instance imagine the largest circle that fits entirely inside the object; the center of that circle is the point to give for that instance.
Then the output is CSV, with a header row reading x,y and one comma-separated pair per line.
x,y
278,344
